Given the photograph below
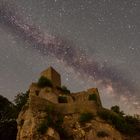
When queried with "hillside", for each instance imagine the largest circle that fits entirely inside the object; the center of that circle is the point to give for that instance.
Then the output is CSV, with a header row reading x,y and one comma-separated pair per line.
x,y
49,111
53,113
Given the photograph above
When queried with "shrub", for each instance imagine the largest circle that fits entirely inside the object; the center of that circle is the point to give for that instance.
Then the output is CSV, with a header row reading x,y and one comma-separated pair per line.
x,y
43,126
102,134
50,120
64,89
59,121
59,128
117,110
116,120
62,99
133,125
92,97
49,108
44,82
64,134
85,117
126,124
20,100
57,125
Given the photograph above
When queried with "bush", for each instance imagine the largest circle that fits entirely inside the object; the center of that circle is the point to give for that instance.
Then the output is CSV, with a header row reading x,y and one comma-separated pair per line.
x,y
59,121
64,89
43,126
133,124
116,120
44,82
102,134
48,122
59,128
85,117
20,100
117,110
64,134
125,124
54,122
92,97
7,109
62,99
57,125
49,108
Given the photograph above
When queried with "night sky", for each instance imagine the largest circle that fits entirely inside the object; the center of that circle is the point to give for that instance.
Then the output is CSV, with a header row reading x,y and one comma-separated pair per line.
x,y
91,43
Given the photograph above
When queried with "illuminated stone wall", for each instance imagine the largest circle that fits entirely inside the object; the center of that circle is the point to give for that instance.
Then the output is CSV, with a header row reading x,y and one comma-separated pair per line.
x,y
53,75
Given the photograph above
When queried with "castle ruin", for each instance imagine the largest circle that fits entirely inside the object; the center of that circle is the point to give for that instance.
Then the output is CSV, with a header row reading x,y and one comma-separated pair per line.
x,y
54,113
88,101
52,75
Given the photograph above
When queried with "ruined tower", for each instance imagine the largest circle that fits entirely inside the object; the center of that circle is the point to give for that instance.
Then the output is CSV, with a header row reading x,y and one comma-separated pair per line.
x,y
52,75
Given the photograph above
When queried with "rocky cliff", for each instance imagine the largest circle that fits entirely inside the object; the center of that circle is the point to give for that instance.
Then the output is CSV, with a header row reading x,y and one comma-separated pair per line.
x,y
53,113
40,120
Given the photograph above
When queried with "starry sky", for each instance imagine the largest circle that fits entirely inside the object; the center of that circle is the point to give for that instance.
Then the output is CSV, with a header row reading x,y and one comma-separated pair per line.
x,y
91,43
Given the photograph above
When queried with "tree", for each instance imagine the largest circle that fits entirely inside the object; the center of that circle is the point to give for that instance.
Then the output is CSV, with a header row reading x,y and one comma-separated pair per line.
x,y
117,110
8,130
20,100
7,109
8,114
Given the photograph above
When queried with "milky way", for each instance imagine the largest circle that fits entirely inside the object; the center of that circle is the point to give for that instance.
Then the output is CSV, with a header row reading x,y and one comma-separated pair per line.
x,y
67,52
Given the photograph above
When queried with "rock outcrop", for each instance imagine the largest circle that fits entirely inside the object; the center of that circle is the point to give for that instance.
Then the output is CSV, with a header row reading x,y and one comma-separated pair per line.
x,y
35,113
53,114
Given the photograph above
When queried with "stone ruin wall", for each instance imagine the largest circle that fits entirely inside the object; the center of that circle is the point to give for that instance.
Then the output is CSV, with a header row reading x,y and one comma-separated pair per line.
x,y
54,76
84,95
37,103
95,90
56,79
77,102
77,107
49,95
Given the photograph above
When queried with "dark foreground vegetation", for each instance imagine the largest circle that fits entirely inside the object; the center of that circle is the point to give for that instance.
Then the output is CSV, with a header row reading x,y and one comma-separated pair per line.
x,y
8,115
126,124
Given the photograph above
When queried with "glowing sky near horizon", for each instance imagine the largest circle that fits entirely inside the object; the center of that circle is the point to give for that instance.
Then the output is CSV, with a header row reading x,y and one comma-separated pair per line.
x,y
91,43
